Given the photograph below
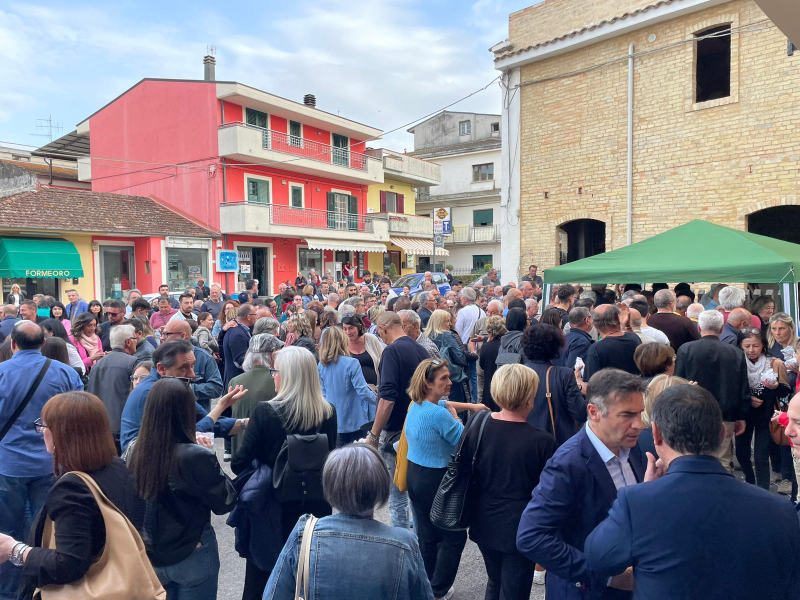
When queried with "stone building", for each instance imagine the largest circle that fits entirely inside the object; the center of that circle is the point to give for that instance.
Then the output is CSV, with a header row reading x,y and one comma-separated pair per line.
x,y
711,92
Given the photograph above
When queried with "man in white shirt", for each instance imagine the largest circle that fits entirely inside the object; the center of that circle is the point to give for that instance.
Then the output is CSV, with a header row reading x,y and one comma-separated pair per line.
x,y
185,311
465,322
639,302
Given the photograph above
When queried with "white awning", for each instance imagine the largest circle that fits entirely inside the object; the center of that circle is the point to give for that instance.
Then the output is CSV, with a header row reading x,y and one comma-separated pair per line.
x,y
417,246
324,244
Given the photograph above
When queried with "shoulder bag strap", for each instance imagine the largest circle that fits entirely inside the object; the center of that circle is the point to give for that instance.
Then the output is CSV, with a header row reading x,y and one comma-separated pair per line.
x,y
548,395
304,559
26,399
480,436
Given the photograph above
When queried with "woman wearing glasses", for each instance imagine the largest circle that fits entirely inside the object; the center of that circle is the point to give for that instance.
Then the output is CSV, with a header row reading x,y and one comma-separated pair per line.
x,y
181,483
298,408
432,430
141,372
76,432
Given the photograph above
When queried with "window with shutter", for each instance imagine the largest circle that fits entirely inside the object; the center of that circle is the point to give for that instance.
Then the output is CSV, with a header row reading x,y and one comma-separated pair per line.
x,y
256,118
258,190
296,195
483,218
352,209
400,203
383,201
331,197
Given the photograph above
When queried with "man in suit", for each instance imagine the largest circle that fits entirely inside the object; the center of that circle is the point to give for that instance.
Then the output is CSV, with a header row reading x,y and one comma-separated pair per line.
x,y
237,340
427,304
696,532
579,485
721,369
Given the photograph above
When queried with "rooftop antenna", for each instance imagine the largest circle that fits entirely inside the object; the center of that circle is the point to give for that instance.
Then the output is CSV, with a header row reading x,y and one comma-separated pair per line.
x,y
46,127
211,50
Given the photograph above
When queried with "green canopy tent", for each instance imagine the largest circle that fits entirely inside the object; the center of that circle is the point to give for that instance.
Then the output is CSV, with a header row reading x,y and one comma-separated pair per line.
x,y
696,251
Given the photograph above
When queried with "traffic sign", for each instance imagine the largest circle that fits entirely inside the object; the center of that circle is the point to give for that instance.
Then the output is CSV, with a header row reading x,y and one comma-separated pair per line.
x,y
438,240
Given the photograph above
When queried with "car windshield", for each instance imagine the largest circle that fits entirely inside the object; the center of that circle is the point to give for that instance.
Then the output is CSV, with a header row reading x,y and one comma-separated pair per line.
x,y
409,280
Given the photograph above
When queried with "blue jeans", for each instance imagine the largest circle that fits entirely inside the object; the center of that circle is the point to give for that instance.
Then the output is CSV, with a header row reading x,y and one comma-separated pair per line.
x,y
196,577
21,499
473,381
398,501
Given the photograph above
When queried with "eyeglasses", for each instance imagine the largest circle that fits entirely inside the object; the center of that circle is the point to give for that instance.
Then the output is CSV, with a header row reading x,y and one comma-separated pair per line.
x,y
169,333
187,380
38,426
135,378
435,362
274,372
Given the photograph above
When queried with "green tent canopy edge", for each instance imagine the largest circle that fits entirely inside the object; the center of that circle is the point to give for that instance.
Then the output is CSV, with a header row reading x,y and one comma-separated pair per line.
x,y
36,257
695,251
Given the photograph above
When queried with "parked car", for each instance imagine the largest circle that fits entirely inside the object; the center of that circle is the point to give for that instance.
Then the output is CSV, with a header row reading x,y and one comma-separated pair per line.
x,y
414,282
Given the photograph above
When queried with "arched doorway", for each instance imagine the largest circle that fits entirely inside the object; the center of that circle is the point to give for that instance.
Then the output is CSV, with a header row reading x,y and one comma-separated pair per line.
x,y
581,238
779,222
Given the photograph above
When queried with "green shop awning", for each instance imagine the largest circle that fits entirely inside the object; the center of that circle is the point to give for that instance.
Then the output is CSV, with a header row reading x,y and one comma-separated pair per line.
x,y
696,251
35,257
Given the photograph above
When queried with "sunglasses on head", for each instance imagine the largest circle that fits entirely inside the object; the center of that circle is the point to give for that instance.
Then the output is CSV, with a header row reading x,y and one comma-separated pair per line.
x,y
434,363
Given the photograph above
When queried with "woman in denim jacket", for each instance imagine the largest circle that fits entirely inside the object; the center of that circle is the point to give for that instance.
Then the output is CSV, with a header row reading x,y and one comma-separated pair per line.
x,y
352,554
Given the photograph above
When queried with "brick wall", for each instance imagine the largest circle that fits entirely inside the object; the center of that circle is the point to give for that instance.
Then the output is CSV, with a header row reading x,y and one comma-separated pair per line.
x,y
553,18
719,161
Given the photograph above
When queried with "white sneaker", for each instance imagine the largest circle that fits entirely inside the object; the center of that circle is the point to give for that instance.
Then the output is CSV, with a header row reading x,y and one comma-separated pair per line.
x,y
226,457
785,487
538,577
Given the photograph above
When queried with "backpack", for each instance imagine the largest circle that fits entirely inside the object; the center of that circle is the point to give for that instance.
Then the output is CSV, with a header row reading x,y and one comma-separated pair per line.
x,y
510,349
297,475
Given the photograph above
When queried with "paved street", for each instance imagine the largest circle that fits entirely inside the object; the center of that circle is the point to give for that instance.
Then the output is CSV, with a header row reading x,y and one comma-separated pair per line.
x,y
470,585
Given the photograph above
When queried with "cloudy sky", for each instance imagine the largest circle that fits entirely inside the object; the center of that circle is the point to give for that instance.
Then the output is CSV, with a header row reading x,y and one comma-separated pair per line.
x,y
380,62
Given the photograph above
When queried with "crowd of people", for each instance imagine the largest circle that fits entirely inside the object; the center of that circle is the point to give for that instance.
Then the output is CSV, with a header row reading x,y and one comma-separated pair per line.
x,y
335,398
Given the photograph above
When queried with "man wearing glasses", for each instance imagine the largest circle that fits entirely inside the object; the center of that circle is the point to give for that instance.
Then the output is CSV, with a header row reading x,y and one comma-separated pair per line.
x,y
26,468
177,359
207,382
110,378
116,315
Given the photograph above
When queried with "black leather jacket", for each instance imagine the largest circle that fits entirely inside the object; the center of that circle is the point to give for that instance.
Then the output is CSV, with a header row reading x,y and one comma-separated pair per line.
x,y
174,521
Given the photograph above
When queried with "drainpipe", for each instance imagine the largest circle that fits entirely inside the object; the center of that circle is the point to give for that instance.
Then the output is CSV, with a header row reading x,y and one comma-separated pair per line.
x,y
630,144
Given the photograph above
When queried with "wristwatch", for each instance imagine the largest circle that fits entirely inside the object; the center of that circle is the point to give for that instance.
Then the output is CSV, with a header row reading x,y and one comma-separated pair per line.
x,y
372,437
15,557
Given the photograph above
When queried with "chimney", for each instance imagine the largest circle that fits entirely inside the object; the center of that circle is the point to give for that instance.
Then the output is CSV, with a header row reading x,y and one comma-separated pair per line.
x,y
209,68
310,100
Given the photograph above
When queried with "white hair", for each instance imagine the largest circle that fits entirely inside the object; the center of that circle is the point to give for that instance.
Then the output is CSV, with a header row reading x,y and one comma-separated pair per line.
x,y
694,310
300,402
731,297
711,321
498,304
469,294
119,335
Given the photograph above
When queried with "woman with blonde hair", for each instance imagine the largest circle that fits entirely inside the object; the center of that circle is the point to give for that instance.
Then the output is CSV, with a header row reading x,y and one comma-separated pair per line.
x,y
432,430
298,408
308,295
299,333
440,331
487,359
657,385
507,468
344,386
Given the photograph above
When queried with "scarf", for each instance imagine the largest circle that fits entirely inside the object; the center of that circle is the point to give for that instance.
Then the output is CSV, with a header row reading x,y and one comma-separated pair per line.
x,y
754,372
90,344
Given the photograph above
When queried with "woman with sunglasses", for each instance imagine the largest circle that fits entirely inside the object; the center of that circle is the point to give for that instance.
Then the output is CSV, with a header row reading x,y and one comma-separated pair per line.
x,y
432,430
76,432
181,483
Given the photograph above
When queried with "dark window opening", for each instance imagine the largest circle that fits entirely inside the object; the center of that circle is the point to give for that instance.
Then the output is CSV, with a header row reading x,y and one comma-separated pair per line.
x,y
713,64
581,239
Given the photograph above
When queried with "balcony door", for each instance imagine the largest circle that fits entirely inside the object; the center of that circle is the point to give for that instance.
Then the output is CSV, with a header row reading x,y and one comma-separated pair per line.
x,y
342,211
340,150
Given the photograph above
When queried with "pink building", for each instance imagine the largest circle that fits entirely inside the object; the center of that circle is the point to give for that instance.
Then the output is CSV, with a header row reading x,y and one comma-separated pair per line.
x,y
283,182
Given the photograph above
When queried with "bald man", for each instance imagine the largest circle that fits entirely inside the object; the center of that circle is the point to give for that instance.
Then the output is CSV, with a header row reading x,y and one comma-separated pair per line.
x,y
207,383
635,321
694,310
738,319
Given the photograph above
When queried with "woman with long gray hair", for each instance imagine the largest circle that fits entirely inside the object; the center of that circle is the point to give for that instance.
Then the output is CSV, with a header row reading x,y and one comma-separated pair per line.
x,y
298,408
256,379
371,559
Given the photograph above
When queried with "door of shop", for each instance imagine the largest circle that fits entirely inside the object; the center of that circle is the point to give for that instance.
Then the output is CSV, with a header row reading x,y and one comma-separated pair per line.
x,y
261,270
116,271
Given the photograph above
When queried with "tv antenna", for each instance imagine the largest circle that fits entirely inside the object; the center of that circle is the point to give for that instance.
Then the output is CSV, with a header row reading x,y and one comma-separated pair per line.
x,y
211,50
46,128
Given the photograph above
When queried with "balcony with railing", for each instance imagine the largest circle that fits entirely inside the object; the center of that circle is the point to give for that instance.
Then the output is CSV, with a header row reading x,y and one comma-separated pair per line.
x,y
408,169
467,234
407,225
249,143
261,218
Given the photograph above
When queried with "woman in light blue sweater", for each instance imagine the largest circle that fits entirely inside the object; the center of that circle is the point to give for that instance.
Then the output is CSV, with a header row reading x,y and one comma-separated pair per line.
x,y
344,386
432,431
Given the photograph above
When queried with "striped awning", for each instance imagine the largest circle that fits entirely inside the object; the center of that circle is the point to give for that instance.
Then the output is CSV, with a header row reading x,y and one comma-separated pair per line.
x,y
417,246
324,244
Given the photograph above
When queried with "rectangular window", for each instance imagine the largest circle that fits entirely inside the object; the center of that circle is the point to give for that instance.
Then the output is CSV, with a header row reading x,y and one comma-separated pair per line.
x,y
310,259
256,118
295,134
464,127
185,266
258,191
391,202
296,195
483,172
480,261
483,218
496,127
713,64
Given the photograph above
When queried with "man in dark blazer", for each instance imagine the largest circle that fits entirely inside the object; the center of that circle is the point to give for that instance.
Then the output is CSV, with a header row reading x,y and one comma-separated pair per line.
x,y
578,487
427,304
578,338
697,532
236,342
721,369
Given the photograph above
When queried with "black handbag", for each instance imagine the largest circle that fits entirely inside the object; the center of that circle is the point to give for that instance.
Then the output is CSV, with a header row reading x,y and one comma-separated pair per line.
x,y
297,475
449,510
